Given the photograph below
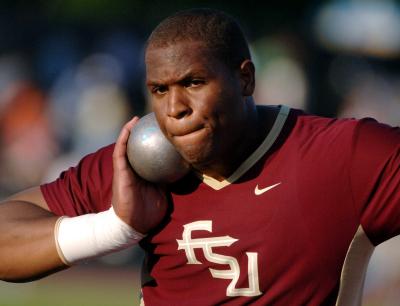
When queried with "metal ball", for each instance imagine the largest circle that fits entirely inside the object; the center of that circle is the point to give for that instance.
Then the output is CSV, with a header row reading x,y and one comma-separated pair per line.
x,y
151,155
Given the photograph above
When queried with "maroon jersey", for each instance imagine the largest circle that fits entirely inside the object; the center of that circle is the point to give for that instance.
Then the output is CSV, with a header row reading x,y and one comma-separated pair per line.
x,y
294,225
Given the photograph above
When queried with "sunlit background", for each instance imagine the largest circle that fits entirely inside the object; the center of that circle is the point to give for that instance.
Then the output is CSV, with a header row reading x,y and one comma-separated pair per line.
x,y
71,73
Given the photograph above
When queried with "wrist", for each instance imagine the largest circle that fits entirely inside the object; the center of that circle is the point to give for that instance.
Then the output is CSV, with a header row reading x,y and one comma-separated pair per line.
x,y
92,235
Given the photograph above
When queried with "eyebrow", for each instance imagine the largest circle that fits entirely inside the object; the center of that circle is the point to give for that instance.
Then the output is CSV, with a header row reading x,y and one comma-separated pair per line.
x,y
185,77
153,83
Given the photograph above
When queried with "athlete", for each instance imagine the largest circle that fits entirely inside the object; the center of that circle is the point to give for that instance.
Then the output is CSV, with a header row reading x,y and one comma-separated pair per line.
x,y
281,208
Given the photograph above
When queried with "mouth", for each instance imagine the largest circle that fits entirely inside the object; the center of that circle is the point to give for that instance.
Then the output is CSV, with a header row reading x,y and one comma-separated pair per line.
x,y
189,133
191,138
181,131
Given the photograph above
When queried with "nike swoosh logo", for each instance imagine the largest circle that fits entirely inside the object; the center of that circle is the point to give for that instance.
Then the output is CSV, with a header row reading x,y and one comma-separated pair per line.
x,y
258,191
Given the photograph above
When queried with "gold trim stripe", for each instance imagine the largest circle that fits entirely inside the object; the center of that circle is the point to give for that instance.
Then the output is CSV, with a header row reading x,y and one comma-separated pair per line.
x,y
255,156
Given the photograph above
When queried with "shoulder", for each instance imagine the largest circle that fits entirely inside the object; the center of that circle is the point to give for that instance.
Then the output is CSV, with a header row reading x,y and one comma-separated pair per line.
x,y
84,188
301,119
96,163
306,128
103,154
354,127
355,136
369,127
378,139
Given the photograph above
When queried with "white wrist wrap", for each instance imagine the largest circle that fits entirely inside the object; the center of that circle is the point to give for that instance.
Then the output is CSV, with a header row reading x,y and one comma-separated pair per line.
x,y
92,235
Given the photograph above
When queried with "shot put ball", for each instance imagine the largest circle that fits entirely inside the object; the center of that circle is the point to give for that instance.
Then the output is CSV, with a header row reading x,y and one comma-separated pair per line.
x,y
151,155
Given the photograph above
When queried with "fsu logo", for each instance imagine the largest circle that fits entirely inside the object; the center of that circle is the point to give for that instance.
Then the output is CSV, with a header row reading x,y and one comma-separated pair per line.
x,y
188,244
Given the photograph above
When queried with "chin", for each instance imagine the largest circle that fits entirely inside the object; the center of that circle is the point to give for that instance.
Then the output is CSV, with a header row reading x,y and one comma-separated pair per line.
x,y
196,148
197,158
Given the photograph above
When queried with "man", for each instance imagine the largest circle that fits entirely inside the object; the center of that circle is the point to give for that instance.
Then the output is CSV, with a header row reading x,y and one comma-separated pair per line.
x,y
281,208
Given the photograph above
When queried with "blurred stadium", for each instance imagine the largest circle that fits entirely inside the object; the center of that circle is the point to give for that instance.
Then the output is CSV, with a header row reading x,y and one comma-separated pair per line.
x,y
71,73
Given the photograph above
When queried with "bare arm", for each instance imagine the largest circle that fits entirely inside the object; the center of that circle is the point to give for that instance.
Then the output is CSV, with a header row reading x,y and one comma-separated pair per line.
x,y
27,246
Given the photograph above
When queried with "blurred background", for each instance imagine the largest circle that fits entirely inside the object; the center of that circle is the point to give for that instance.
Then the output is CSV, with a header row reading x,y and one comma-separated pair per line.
x,y
71,73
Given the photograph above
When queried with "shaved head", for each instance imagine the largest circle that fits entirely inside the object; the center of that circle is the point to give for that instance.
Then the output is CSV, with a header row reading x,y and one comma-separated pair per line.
x,y
219,32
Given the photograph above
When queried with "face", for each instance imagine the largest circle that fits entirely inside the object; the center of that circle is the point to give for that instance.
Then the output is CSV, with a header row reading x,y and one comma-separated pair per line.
x,y
198,101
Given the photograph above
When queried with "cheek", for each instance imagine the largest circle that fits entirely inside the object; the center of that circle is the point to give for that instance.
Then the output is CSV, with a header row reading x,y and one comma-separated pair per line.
x,y
209,105
156,107
160,116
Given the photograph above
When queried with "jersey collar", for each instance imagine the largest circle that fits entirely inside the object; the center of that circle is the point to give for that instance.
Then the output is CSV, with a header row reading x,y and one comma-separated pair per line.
x,y
254,157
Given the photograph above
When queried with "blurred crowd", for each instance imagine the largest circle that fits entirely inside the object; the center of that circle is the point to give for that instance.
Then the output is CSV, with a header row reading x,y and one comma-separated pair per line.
x,y
63,103
69,92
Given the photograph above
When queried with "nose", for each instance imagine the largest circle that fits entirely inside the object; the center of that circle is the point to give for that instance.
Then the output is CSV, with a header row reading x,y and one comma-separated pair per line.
x,y
178,104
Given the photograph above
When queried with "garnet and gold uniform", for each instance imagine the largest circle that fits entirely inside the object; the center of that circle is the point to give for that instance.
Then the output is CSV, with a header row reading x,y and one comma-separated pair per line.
x,y
295,224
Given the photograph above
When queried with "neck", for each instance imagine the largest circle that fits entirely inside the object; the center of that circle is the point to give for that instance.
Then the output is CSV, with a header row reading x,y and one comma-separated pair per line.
x,y
258,124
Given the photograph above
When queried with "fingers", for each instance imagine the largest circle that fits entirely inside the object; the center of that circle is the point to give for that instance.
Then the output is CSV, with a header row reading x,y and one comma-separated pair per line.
x,y
120,145
124,176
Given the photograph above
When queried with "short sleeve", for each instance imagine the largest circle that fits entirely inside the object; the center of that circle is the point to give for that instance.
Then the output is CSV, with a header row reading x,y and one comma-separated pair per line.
x,y
375,178
86,188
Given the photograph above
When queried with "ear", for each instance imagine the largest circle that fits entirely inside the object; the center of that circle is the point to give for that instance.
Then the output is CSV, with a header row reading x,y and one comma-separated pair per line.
x,y
247,77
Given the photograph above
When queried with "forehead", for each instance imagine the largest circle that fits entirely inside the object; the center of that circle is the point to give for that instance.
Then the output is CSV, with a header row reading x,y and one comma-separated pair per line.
x,y
178,59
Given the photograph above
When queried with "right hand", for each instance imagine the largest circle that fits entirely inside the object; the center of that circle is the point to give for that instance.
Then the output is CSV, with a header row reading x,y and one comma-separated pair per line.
x,y
139,203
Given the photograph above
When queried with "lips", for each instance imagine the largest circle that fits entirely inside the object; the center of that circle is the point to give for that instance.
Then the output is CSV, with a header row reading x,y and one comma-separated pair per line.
x,y
178,130
190,134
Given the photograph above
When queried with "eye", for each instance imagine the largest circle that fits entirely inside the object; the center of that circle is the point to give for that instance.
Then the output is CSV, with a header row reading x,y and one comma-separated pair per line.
x,y
193,82
159,90
196,82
